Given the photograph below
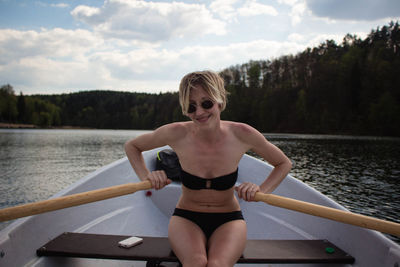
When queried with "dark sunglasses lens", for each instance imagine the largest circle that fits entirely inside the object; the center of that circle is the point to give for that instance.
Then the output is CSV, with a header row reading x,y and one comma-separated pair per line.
x,y
207,104
192,108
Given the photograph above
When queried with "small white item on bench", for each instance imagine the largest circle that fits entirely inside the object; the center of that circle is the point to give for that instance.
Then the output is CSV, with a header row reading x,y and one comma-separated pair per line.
x,y
130,242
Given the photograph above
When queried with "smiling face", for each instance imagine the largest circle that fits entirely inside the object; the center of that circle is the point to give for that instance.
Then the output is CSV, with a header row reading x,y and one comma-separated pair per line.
x,y
203,114
210,83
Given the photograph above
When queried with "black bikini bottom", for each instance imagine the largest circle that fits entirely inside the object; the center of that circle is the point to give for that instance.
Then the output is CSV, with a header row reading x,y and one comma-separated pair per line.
x,y
208,221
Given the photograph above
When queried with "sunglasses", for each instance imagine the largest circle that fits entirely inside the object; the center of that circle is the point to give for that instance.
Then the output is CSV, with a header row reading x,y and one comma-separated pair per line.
x,y
206,104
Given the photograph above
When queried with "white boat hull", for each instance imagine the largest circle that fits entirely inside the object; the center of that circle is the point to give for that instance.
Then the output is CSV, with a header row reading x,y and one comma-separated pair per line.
x,y
139,214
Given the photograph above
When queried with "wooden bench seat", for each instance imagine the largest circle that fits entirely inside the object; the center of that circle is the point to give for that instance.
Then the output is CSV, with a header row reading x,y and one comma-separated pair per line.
x,y
155,250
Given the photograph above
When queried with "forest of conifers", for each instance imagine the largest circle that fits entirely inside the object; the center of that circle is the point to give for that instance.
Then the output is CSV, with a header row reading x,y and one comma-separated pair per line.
x,y
348,88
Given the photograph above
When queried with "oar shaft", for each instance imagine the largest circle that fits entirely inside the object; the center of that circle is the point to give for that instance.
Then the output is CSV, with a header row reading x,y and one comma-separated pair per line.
x,y
71,200
125,189
330,213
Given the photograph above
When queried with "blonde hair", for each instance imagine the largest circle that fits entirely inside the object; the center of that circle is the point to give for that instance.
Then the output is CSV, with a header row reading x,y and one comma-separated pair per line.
x,y
210,81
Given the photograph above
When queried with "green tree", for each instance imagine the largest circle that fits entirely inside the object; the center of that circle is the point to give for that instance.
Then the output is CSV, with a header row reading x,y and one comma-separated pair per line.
x,y
385,115
21,106
8,104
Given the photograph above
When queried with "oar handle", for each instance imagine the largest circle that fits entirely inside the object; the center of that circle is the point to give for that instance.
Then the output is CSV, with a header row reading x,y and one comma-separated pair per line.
x,y
71,200
330,213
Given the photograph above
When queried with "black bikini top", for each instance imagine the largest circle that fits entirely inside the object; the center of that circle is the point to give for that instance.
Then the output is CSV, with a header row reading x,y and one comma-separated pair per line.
x,y
219,183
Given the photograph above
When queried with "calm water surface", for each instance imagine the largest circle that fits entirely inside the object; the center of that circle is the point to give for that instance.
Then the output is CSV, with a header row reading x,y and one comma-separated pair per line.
x,y
361,173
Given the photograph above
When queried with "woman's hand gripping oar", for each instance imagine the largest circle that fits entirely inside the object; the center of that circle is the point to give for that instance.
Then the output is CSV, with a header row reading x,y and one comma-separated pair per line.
x,y
330,213
72,200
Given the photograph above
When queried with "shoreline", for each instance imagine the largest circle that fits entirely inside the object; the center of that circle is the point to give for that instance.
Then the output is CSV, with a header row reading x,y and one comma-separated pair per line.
x,y
343,136
4,125
17,126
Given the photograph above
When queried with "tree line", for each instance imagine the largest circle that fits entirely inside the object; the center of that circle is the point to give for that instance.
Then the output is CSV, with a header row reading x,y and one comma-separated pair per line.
x,y
91,109
347,88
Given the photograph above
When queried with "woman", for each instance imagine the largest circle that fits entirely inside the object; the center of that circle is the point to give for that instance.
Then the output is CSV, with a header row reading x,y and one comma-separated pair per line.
x,y
207,227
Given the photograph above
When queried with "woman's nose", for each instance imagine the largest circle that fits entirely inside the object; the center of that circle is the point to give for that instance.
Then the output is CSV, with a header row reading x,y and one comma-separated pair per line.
x,y
199,110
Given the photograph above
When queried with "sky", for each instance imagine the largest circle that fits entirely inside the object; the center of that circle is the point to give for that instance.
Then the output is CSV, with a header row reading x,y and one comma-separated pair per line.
x,y
54,47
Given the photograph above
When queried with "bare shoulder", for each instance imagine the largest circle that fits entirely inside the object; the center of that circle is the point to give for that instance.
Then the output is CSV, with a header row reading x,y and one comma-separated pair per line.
x,y
248,135
175,126
173,130
241,130
167,134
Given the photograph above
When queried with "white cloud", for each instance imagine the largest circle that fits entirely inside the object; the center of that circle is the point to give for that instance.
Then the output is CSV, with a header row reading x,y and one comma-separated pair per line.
x,y
253,8
48,58
55,43
79,60
149,21
41,72
86,13
297,12
230,10
238,53
314,40
60,5
297,38
224,8
288,2
172,64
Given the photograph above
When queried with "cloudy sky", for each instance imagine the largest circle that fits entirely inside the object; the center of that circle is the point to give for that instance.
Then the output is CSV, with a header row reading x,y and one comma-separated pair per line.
x,y
53,47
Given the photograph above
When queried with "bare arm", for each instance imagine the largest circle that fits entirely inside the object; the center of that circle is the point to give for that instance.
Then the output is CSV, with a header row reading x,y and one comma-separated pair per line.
x,y
272,155
134,148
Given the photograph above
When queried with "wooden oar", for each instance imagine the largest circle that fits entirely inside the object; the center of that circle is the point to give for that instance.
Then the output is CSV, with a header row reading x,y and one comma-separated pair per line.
x,y
330,213
120,190
71,200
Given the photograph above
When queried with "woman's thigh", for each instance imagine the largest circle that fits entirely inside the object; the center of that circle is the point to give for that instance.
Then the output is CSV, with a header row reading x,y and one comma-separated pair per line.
x,y
227,243
187,241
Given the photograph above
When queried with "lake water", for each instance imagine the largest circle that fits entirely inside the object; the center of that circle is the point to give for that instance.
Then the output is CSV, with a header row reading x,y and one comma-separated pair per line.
x,y
361,173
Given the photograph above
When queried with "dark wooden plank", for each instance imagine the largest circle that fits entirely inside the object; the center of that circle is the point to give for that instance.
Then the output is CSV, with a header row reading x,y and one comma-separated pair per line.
x,y
158,249
293,251
106,247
